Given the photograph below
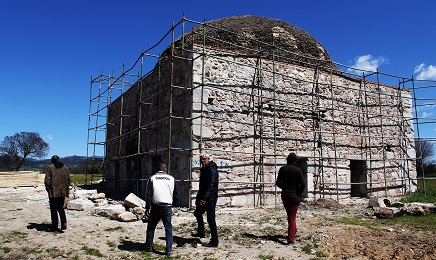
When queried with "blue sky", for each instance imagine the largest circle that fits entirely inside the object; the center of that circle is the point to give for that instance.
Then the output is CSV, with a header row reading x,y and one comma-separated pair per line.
x,y
50,49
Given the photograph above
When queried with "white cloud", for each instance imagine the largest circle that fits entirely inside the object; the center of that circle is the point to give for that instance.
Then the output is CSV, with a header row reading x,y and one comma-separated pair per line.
x,y
419,68
425,73
49,137
367,63
426,115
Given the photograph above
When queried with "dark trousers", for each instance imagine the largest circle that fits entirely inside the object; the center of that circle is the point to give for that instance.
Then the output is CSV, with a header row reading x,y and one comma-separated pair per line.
x,y
209,208
157,213
57,206
291,208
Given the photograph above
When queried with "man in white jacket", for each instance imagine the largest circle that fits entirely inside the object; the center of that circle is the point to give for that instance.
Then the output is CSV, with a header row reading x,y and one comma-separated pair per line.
x,y
162,192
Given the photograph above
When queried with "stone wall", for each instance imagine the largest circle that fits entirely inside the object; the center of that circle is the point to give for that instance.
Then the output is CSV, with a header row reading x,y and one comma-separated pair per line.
x,y
249,113
254,112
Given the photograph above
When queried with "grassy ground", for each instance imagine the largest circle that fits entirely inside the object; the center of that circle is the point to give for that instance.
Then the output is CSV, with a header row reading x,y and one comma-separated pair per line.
x,y
81,179
426,192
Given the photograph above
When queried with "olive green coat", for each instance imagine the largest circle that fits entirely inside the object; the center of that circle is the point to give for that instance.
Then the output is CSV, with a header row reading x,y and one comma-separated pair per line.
x,y
57,181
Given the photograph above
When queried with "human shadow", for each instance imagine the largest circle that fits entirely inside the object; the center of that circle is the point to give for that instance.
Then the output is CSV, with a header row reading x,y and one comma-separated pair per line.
x,y
135,247
132,246
181,241
275,238
39,227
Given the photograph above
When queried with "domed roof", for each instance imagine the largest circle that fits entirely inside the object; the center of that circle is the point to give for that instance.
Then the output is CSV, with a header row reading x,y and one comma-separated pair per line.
x,y
248,30
254,35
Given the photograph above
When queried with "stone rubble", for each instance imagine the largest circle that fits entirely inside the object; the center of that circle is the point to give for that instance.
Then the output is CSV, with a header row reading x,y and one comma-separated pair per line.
x,y
385,209
131,209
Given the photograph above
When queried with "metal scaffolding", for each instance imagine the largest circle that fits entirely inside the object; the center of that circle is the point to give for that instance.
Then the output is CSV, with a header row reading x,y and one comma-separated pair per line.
x,y
136,125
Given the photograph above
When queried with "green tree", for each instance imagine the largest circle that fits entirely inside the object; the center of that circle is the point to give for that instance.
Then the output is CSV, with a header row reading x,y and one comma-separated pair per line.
x,y
16,149
424,152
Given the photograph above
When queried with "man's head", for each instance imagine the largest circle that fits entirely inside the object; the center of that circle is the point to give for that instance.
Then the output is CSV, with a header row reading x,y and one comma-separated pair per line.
x,y
162,167
204,159
54,159
292,157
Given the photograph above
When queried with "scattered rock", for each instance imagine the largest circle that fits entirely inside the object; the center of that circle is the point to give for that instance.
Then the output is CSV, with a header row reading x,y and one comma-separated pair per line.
x,y
415,210
111,211
375,202
383,213
126,217
79,204
97,196
132,201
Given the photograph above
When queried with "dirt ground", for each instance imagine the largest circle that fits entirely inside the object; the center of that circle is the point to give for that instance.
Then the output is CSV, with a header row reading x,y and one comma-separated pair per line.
x,y
245,233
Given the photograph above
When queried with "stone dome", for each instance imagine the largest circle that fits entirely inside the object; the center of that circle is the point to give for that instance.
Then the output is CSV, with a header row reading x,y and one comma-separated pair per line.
x,y
252,35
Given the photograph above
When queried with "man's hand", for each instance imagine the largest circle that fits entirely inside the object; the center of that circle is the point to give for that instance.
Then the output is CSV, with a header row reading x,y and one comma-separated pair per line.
x,y
202,202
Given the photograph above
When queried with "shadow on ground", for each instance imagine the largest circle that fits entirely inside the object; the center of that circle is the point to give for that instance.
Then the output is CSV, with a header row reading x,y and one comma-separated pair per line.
x,y
275,238
39,227
181,241
131,246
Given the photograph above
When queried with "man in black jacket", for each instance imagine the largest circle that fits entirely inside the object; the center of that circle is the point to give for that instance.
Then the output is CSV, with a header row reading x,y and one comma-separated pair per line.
x,y
290,180
207,197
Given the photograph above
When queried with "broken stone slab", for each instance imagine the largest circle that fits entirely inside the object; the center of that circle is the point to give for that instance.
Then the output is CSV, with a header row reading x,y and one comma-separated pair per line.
x,y
80,204
126,217
427,207
414,210
132,201
383,213
398,212
100,202
84,193
138,211
97,196
110,211
375,202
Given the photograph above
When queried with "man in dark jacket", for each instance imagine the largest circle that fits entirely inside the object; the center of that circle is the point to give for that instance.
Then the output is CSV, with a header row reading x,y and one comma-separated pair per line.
x,y
57,182
162,192
207,197
290,179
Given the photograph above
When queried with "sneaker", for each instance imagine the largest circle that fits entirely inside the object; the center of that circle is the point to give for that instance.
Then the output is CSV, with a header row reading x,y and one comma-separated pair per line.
x,y
64,227
168,253
200,235
211,244
290,242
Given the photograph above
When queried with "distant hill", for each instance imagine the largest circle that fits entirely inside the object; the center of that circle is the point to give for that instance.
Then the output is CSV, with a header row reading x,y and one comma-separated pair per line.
x,y
73,163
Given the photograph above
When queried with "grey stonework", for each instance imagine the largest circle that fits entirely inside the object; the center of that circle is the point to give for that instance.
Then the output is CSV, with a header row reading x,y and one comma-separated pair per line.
x,y
354,136
249,117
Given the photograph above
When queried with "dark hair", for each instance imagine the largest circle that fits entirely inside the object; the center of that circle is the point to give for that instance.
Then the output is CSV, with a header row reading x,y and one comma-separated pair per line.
x,y
292,157
56,162
161,166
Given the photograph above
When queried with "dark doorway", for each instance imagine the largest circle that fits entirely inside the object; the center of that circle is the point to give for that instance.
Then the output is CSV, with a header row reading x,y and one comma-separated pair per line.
x,y
358,178
302,163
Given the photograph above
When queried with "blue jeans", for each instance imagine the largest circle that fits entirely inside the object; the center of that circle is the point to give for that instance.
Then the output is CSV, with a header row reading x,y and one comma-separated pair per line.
x,y
157,213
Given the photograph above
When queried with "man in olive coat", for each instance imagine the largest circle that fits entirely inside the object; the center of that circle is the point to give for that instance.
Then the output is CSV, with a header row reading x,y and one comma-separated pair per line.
x,y
57,182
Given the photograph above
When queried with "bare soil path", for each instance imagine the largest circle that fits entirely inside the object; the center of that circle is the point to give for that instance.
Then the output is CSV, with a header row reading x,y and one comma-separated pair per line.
x,y
245,233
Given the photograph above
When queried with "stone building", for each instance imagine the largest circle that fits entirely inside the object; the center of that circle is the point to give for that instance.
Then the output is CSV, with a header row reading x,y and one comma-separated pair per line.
x,y
248,90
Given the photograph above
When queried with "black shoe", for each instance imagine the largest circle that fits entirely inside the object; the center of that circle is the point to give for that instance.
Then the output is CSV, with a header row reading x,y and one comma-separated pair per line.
x,y
64,227
52,229
211,244
200,235
290,242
